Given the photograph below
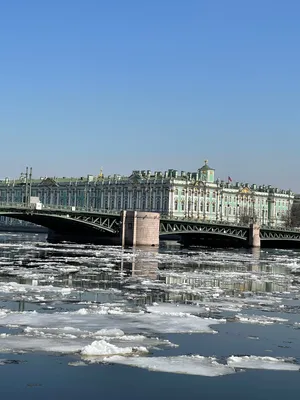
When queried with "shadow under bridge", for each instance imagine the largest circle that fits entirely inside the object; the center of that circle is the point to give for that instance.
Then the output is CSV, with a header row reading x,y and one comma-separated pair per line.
x,y
69,222
204,233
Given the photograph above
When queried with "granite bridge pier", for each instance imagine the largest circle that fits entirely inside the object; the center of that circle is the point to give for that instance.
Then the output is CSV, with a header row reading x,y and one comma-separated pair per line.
x,y
138,228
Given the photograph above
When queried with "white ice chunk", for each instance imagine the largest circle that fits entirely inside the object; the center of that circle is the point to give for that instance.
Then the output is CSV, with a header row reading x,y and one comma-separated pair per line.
x,y
192,365
175,309
103,348
256,362
97,319
109,332
259,319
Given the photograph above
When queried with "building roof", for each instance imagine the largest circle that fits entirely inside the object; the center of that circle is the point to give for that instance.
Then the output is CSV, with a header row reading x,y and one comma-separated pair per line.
x,y
206,167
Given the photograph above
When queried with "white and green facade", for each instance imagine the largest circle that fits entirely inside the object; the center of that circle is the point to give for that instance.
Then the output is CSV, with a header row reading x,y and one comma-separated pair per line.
x,y
185,195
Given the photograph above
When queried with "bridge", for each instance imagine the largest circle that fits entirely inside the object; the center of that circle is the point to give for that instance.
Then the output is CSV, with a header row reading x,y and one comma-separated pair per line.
x,y
108,224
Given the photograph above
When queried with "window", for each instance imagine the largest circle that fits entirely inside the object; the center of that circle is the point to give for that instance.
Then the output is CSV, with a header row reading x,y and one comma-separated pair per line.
x,y
214,207
176,192
207,207
214,195
176,205
195,206
182,206
201,207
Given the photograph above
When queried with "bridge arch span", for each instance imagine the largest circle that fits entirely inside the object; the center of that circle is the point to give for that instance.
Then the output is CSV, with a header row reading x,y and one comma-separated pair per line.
x,y
61,223
205,233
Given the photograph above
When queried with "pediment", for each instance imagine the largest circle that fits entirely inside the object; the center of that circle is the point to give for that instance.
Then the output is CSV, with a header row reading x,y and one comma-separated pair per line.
x,y
48,182
245,190
135,178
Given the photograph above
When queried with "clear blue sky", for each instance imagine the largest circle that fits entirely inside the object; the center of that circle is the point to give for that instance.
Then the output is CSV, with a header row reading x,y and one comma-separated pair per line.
x,y
151,84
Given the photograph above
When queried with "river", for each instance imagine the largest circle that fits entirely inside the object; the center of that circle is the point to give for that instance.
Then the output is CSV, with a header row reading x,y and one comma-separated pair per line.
x,y
101,322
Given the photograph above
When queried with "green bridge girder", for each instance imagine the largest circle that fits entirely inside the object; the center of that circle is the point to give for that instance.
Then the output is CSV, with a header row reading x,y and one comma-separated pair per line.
x,y
110,223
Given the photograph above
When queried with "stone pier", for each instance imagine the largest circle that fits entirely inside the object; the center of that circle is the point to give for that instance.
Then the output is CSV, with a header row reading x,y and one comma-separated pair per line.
x,y
254,235
140,228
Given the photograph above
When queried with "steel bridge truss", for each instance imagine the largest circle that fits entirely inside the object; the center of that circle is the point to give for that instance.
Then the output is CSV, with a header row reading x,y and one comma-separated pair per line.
x,y
103,222
107,221
173,228
273,234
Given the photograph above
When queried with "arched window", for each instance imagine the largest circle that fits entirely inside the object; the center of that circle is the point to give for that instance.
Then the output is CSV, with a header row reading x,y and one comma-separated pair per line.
x,y
207,207
176,192
176,205
195,206
201,207
214,207
182,206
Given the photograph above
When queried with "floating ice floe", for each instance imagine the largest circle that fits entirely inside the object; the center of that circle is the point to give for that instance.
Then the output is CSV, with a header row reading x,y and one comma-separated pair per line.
x,y
191,365
101,317
103,348
205,366
175,309
256,362
259,319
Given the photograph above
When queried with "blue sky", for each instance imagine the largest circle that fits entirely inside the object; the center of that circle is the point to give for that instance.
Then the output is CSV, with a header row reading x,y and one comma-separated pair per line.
x,y
154,85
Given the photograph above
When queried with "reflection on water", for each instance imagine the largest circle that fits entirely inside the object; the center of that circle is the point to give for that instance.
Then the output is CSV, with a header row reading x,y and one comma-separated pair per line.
x,y
96,300
142,264
85,268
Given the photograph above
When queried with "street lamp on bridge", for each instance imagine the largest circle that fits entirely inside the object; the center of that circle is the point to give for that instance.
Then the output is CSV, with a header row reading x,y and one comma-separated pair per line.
x,y
28,184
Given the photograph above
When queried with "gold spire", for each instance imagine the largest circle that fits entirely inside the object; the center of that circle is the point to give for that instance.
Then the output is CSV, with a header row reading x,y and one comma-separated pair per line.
x,y
100,176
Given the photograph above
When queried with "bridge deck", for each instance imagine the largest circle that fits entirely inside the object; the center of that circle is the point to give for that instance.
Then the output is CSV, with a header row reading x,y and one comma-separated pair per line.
x,y
109,221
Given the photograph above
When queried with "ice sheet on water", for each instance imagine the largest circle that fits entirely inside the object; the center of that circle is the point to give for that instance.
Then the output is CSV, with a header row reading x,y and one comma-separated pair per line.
x,y
101,318
175,309
104,348
191,365
14,287
259,319
44,340
256,362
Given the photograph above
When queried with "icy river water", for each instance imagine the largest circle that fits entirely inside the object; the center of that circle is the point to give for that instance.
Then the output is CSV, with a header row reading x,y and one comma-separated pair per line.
x,y
85,321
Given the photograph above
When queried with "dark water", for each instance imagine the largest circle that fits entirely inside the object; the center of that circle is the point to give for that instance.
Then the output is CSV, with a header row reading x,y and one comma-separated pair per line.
x,y
90,288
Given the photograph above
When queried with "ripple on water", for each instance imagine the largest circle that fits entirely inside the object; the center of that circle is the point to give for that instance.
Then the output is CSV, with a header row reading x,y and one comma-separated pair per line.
x,y
106,304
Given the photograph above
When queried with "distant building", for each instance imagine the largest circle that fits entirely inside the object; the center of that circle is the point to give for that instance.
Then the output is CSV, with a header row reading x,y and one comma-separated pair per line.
x,y
195,195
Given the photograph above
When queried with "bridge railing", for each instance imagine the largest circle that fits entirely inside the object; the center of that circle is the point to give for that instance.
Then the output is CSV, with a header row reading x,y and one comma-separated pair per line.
x,y
117,212
58,208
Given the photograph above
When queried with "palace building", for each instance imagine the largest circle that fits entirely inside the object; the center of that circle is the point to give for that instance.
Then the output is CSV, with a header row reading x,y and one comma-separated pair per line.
x,y
185,195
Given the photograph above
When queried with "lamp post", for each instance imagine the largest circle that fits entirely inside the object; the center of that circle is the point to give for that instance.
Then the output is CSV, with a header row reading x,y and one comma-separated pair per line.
x,y
253,210
28,185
